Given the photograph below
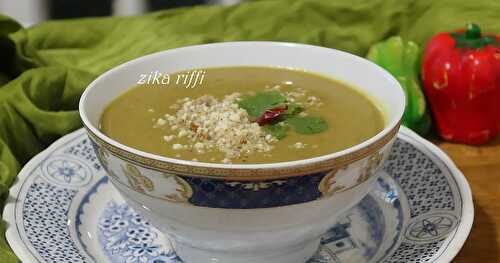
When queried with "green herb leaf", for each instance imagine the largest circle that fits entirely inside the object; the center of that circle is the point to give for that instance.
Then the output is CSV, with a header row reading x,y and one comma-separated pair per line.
x,y
262,101
256,105
276,130
308,124
294,109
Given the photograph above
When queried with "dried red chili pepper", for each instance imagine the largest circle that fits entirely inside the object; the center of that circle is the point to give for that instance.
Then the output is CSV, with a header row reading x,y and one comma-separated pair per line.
x,y
271,114
461,76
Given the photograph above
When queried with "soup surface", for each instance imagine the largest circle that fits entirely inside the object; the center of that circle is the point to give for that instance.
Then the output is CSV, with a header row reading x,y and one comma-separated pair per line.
x,y
242,115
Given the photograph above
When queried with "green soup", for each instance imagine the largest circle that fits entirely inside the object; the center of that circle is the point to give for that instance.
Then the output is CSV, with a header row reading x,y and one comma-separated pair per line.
x,y
241,115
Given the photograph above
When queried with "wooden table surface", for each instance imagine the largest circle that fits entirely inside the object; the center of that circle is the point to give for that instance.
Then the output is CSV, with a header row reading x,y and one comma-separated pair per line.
x,y
481,167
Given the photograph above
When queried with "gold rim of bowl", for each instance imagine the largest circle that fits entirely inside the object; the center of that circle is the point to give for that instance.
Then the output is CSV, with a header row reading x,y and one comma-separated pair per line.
x,y
246,174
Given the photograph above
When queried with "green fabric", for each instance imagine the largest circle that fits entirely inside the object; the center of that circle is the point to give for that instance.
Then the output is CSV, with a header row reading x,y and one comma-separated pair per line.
x,y
44,69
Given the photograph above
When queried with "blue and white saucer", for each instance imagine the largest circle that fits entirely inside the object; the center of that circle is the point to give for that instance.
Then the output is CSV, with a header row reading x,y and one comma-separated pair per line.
x,y
62,209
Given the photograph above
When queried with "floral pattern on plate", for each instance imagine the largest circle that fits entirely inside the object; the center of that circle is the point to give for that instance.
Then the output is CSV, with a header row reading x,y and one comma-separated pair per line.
x,y
127,237
62,209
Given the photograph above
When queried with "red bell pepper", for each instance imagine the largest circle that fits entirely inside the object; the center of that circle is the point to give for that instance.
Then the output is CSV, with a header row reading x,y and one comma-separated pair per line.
x,y
461,77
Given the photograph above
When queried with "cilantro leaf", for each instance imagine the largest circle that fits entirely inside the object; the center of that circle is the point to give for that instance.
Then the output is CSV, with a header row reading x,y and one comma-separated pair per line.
x,y
308,124
262,101
276,130
294,109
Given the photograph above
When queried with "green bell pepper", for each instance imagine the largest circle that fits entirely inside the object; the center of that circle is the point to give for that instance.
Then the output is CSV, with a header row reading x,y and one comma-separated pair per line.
x,y
402,60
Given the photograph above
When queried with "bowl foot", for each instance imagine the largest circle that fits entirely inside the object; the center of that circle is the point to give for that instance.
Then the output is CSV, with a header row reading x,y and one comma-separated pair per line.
x,y
294,254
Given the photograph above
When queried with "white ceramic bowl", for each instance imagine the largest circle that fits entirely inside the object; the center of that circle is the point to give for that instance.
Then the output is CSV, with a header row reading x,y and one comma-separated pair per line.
x,y
243,213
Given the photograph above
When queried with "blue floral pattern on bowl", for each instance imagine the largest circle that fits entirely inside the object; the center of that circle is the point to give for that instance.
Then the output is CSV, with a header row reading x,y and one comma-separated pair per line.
x,y
231,193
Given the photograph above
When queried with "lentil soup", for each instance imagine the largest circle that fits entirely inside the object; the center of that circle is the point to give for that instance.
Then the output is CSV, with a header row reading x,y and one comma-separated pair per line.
x,y
243,115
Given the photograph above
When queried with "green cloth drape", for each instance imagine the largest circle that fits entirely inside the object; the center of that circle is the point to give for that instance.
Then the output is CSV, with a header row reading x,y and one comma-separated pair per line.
x,y
44,69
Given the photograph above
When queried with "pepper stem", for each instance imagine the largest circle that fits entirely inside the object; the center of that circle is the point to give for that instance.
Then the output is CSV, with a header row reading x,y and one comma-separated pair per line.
x,y
472,31
471,37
